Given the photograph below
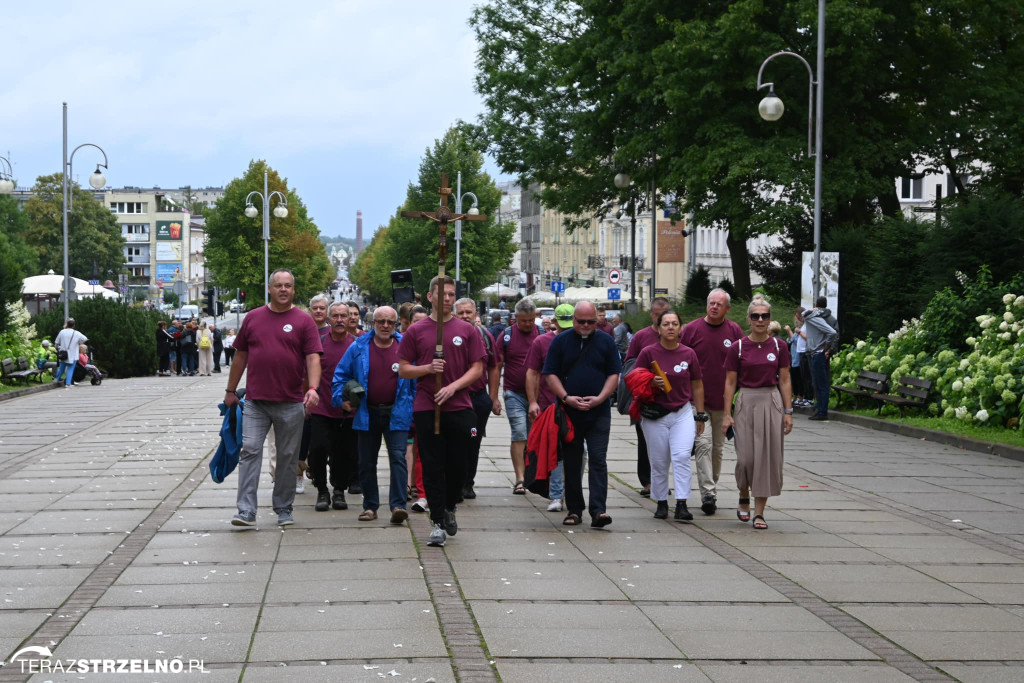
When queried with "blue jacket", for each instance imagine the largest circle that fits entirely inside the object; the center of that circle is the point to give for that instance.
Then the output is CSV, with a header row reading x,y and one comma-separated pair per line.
x,y
226,458
356,364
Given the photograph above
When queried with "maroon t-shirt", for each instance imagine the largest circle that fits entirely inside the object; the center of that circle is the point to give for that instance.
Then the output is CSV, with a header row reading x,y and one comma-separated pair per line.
x,y
711,343
333,351
462,347
513,346
491,362
760,364
535,361
641,340
277,344
681,367
604,326
383,378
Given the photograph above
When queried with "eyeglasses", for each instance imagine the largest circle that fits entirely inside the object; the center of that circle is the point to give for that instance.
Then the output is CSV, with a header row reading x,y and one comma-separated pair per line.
x,y
760,316
592,321
385,322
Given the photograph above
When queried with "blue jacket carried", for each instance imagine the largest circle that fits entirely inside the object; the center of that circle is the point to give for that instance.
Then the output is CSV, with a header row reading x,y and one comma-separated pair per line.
x,y
226,458
355,364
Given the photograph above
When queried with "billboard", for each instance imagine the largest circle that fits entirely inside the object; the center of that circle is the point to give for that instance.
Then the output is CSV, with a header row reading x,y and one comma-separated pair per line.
x,y
671,243
829,280
168,251
168,230
168,272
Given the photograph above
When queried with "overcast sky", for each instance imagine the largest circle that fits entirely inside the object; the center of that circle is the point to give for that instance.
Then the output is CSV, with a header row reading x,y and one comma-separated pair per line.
x,y
342,98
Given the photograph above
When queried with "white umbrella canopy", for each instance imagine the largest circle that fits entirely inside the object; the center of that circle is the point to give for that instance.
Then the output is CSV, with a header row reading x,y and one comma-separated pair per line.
x,y
52,284
500,290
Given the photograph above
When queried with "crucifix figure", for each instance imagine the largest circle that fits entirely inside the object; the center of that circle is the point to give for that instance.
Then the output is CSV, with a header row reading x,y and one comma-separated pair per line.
x,y
443,216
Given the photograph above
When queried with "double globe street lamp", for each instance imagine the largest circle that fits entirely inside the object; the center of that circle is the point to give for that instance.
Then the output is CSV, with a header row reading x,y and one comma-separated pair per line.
x,y
6,176
771,108
473,211
624,182
97,180
281,211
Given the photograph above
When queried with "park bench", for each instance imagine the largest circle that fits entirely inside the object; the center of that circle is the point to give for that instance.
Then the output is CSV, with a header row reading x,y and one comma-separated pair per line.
x,y
11,372
912,393
25,367
868,384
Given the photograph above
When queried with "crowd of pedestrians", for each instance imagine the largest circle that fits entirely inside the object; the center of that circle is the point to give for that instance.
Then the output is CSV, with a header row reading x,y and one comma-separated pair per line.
x,y
316,371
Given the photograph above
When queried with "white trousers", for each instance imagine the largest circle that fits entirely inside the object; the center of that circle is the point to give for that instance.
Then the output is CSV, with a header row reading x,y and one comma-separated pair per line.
x,y
670,442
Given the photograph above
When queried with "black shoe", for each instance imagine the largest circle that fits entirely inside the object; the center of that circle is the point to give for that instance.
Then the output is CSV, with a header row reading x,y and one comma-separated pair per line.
x,y
682,514
468,493
451,527
709,505
645,491
323,501
818,418
355,489
662,511
338,502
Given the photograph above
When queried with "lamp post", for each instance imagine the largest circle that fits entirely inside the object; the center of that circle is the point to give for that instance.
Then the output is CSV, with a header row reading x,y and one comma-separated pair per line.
x,y
473,211
623,182
281,211
97,180
6,177
771,109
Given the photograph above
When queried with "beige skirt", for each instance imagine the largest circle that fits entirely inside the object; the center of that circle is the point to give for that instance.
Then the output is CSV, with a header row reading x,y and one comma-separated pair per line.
x,y
758,425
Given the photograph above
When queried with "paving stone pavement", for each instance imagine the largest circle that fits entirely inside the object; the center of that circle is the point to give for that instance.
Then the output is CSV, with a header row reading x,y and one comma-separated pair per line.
x,y
887,559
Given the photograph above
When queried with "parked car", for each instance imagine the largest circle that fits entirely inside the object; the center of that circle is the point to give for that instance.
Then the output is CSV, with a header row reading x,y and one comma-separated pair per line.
x,y
505,313
187,312
237,308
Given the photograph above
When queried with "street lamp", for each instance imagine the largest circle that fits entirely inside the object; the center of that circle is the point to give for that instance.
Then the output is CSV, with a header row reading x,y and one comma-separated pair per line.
x,y
97,180
771,108
473,211
281,211
623,182
6,177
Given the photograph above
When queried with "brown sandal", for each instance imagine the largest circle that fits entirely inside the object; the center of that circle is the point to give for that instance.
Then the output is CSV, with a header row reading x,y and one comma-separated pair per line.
x,y
519,489
368,515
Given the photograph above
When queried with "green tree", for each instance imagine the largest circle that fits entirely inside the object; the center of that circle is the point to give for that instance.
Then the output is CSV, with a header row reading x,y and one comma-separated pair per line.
x,y
17,259
234,242
413,243
95,244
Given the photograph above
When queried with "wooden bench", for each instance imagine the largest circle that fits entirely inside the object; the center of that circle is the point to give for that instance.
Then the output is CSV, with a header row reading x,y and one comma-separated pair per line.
x,y
868,384
912,393
11,372
25,368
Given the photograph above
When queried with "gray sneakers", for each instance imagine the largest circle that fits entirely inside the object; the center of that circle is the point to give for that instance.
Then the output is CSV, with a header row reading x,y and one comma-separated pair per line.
x,y
450,525
244,519
437,537
285,519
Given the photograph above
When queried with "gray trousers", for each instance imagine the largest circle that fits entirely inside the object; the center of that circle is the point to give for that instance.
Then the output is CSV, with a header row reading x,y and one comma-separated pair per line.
x,y
707,454
259,416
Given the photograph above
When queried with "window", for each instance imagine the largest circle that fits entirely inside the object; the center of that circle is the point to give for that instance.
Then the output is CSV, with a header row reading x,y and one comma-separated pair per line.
x,y
128,207
912,187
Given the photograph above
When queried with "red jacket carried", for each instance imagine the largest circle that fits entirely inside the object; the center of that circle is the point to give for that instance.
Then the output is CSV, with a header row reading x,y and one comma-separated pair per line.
x,y
639,383
552,429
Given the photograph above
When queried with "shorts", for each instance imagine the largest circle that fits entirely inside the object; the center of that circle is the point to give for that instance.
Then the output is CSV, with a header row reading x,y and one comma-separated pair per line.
x,y
517,408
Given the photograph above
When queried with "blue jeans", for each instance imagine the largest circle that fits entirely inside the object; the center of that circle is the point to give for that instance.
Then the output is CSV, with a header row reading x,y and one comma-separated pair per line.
x,y
70,368
819,374
556,482
595,433
369,447
517,409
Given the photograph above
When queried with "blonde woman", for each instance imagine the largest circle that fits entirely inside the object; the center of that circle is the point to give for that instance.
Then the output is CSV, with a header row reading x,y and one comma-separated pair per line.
x,y
763,414
204,340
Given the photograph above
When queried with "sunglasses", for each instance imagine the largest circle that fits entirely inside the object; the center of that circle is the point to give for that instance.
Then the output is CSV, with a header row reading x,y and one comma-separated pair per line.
x,y
760,316
592,321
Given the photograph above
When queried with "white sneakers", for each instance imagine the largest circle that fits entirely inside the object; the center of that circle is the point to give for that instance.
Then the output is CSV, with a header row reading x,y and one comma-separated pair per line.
x,y
555,505
420,505
300,484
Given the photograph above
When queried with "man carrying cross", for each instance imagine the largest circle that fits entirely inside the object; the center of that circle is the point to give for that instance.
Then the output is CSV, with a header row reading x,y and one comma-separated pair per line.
x,y
443,451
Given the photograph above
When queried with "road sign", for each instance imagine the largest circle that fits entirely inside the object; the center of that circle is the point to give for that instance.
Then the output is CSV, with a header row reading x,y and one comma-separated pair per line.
x,y
94,283
660,290
614,294
614,277
558,287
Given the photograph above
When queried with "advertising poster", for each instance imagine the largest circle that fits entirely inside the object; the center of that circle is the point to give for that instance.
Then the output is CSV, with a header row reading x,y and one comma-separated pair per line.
x,y
168,230
829,280
671,243
168,272
168,251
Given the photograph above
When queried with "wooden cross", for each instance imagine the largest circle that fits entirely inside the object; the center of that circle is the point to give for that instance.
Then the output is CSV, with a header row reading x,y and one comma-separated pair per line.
x,y
443,216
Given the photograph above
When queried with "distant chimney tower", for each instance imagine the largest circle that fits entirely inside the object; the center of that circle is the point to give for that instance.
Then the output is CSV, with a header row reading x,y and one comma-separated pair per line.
x,y
359,232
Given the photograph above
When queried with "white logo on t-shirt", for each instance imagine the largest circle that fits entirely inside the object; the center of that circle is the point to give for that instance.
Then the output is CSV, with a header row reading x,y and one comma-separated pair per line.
x,y
457,341
682,366
727,343
287,328
394,367
508,337
771,356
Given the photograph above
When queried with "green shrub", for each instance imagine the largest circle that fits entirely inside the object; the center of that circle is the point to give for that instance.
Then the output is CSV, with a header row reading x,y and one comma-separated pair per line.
x,y
122,338
728,286
698,286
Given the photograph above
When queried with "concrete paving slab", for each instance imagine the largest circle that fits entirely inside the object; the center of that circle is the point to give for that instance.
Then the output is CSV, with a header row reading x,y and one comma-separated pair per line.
x,y
994,593
513,671
976,558
975,574
223,647
813,673
972,673
353,590
357,642
534,581
332,672
201,620
769,644
739,619
415,615
194,594
942,645
940,618
350,569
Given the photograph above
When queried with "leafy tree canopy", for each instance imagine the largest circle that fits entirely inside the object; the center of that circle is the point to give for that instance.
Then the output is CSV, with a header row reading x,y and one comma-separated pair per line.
x,y
234,242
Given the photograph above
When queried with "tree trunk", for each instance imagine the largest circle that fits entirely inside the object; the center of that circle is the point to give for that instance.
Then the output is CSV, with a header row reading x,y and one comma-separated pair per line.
x,y
740,259
889,202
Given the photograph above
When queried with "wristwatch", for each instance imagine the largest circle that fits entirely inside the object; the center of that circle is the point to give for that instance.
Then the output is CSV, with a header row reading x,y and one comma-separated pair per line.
x,y
701,417
231,391
788,411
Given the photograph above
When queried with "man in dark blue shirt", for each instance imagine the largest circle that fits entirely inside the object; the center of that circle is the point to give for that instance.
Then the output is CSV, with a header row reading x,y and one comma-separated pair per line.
x,y
582,369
